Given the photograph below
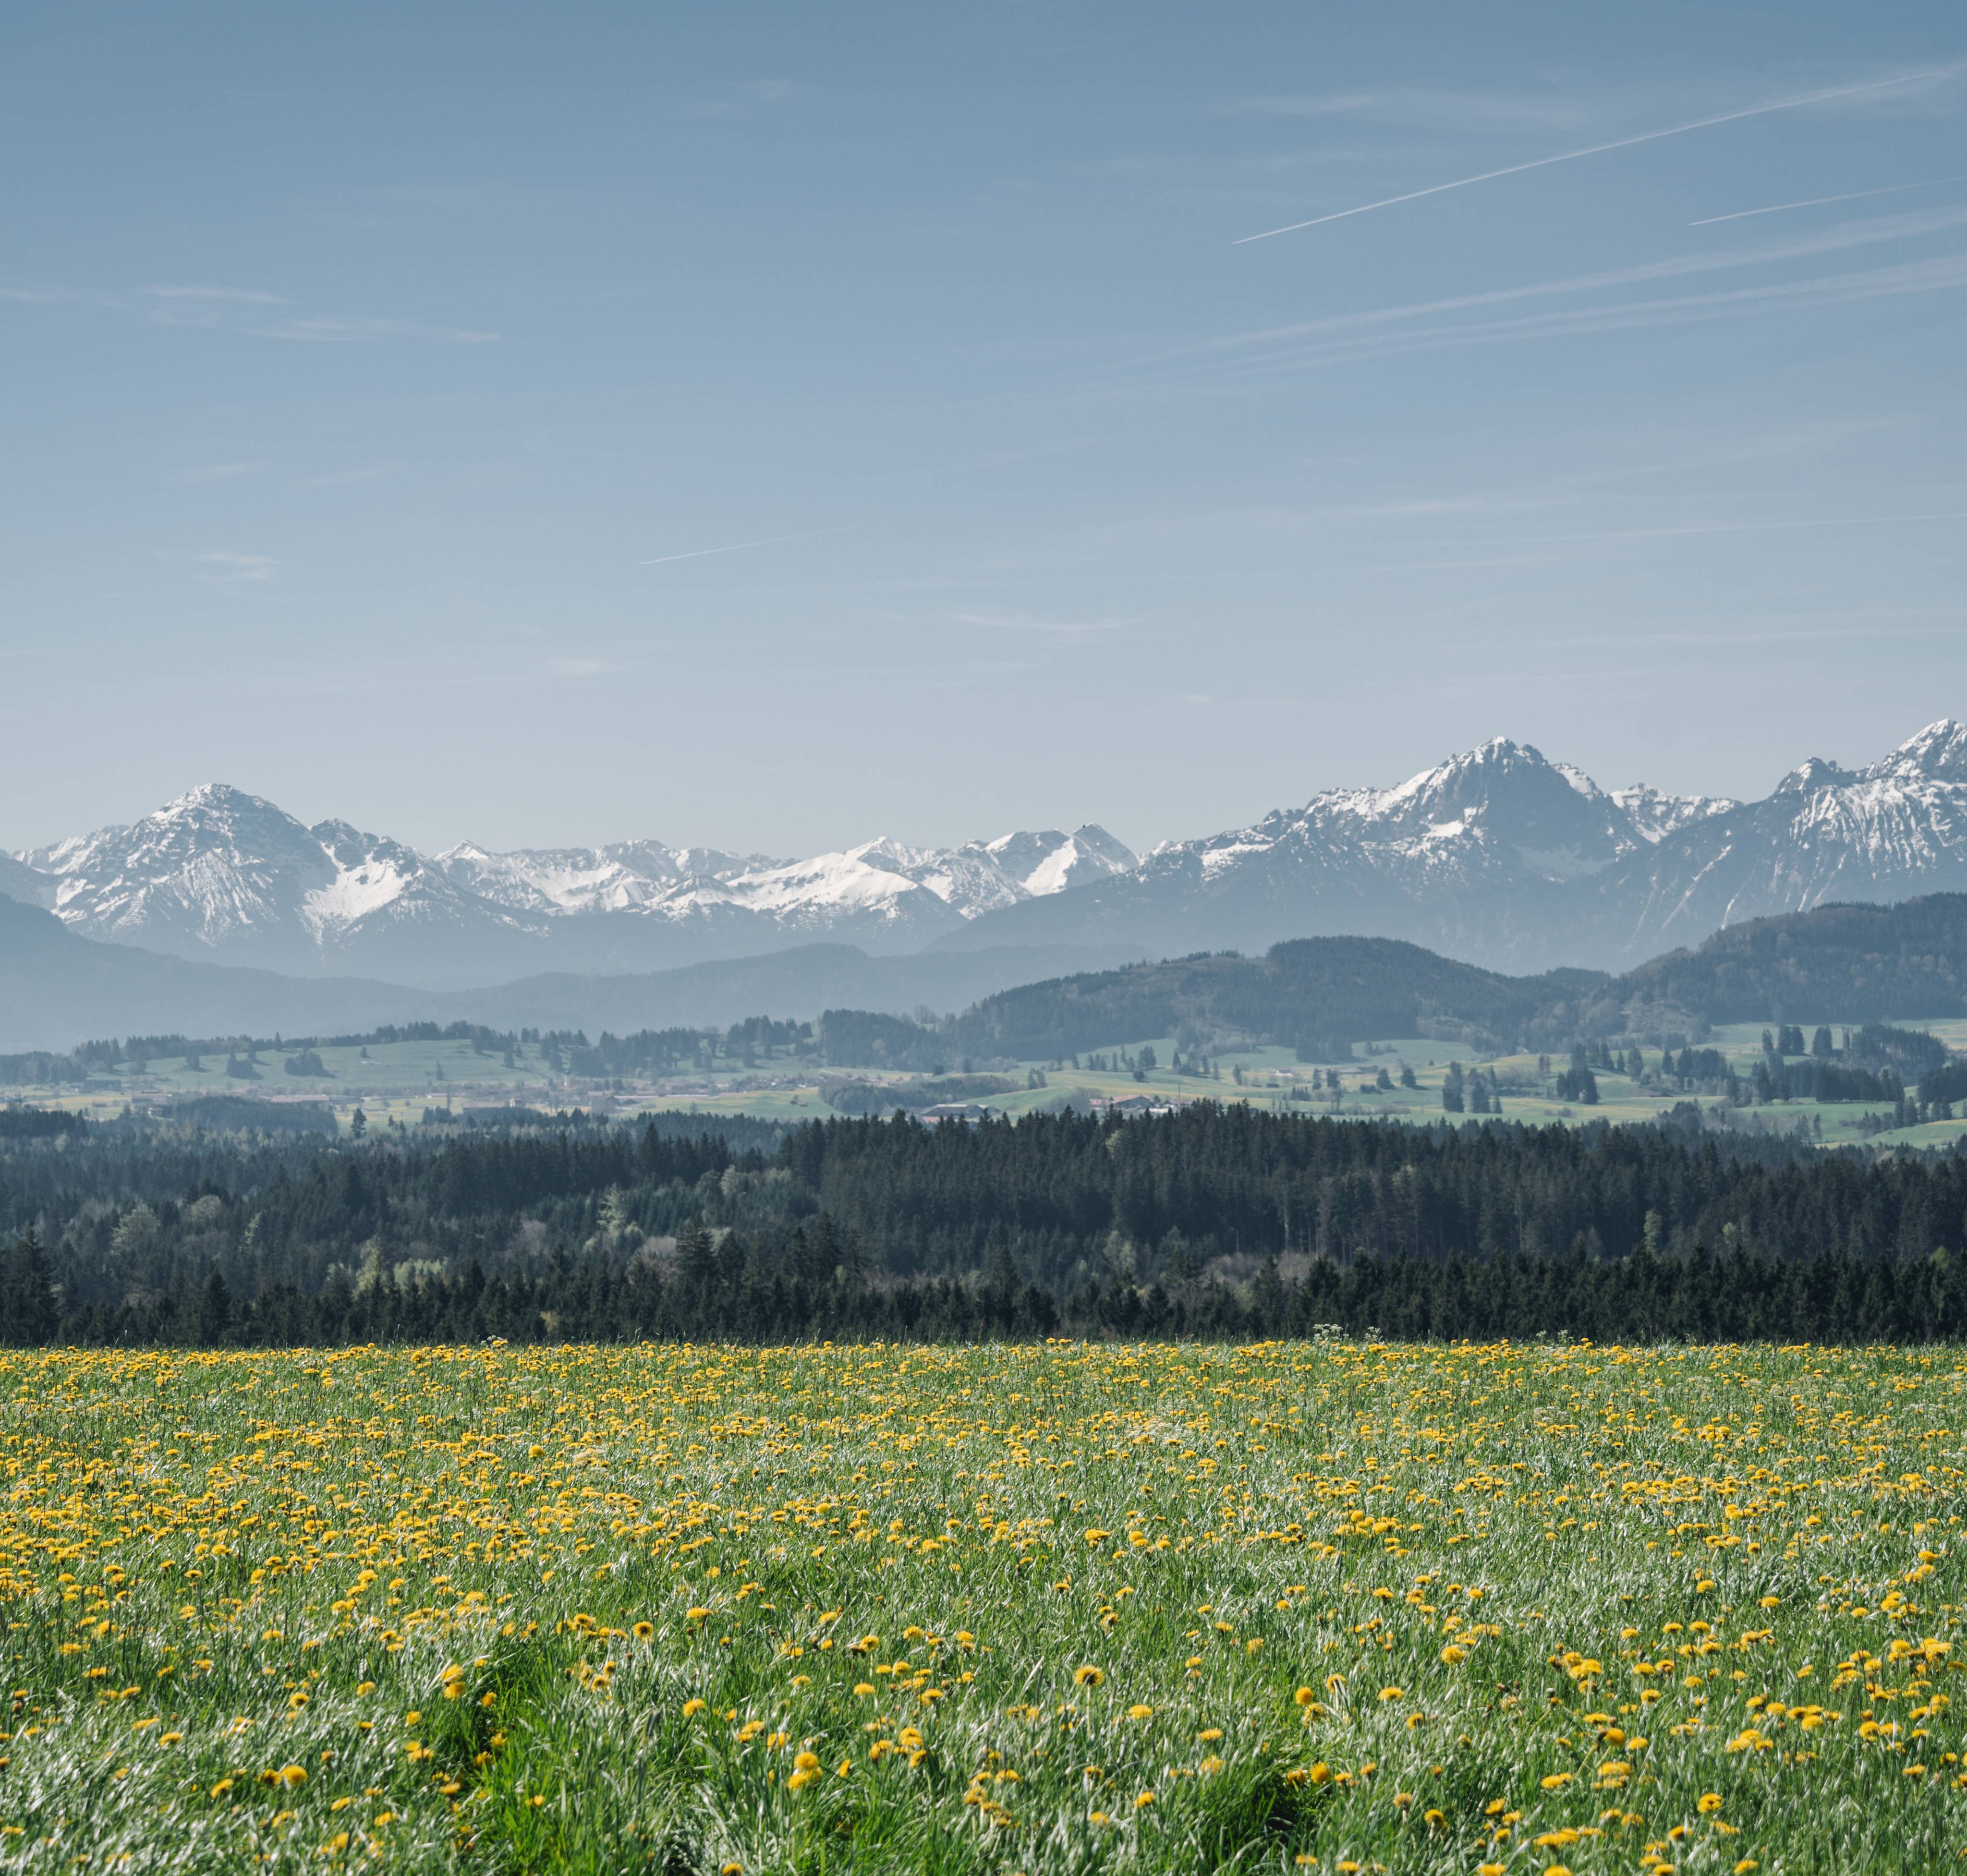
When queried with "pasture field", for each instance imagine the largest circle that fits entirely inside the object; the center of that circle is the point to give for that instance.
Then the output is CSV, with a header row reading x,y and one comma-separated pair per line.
x,y
1064,1607
397,1083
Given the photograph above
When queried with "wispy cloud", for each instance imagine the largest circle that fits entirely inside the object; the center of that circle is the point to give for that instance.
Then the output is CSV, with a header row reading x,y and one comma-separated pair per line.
x,y
215,294
584,667
226,568
1596,150
220,472
1432,109
1342,337
748,96
1061,629
250,312
1945,272
345,478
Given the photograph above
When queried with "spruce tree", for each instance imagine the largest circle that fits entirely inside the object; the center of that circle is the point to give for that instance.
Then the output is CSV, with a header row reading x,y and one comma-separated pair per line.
x,y
31,1310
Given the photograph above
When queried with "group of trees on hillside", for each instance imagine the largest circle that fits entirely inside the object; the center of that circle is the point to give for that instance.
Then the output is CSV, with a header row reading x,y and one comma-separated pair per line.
x,y
755,1041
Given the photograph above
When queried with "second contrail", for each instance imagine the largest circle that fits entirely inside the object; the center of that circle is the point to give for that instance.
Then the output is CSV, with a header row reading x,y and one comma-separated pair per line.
x,y
1595,149
736,547
1817,201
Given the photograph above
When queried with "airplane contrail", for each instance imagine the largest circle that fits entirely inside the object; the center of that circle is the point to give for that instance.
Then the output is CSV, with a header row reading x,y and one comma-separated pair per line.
x,y
699,554
1817,201
1595,149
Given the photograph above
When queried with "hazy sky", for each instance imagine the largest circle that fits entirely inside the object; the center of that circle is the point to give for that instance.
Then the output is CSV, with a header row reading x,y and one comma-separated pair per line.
x,y
775,426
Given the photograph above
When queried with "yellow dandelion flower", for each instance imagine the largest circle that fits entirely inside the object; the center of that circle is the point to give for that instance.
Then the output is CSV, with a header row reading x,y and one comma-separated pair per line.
x,y
1140,1710
1088,1676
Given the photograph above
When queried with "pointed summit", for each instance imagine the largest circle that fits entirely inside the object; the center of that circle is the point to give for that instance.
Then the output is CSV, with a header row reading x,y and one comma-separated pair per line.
x,y
1808,777
1559,822
1939,752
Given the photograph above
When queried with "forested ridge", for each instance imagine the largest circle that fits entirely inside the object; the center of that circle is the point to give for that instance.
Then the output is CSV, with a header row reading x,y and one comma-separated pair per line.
x,y
1214,1219
1855,963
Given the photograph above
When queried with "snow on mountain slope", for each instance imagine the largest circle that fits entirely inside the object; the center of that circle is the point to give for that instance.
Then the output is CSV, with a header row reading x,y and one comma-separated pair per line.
x,y
21,882
1654,814
1052,862
222,872
876,878
616,878
1501,809
1504,858
1886,831
1497,855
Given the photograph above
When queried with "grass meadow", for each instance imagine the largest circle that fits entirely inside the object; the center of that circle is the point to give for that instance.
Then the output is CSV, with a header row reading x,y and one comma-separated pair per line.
x,y
1063,1607
398,1081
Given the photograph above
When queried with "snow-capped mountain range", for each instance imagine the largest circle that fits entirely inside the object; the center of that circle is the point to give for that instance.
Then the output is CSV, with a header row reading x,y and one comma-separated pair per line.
x,y
1505,859
219,874
1498,856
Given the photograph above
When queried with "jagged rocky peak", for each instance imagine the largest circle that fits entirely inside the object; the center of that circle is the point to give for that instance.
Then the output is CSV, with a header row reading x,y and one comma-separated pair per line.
x,y
213,817
1810,777
1556,817
1654,814
1938,753
1050,861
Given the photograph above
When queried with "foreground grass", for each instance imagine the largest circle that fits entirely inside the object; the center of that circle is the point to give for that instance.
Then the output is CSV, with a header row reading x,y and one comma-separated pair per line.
x,y
1063,1608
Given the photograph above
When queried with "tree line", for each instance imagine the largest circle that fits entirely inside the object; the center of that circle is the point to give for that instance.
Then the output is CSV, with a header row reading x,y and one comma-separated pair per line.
x,y
1215,1219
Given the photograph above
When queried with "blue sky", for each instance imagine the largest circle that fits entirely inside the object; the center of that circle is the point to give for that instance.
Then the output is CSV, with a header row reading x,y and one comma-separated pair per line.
x,y
771,427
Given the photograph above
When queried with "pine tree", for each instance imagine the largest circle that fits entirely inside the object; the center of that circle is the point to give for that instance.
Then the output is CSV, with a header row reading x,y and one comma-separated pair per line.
x,y
696,1255
31,1310
215,1310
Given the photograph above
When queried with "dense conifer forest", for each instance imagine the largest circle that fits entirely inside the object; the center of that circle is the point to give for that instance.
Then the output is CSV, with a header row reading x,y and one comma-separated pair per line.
x,y
1219,1221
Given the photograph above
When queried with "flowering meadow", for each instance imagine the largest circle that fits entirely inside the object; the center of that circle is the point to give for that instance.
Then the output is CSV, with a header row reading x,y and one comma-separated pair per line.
x,y
1063,1607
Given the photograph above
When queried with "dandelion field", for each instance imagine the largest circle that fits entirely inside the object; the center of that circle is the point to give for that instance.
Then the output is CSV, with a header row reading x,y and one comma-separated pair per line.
x,y
1055,1607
